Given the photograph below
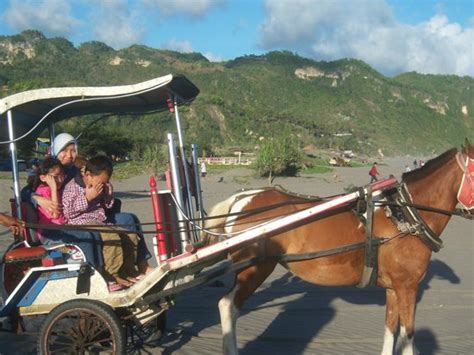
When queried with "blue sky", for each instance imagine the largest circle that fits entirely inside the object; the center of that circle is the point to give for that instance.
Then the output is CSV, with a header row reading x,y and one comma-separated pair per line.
x,y
394,36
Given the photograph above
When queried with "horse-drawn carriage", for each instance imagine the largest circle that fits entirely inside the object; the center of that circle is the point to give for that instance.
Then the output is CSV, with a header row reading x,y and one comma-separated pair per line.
x,y
259,229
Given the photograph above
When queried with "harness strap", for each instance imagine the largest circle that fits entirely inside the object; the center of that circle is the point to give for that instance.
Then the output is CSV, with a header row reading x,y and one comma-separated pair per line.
x,y
327,252
369,274
459,212
412,215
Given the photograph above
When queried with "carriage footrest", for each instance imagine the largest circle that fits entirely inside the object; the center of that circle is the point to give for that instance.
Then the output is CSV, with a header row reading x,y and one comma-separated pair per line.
x,y
24,254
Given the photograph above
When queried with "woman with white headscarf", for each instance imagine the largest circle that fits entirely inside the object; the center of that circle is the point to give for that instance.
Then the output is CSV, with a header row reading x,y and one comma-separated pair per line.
x,y
64,149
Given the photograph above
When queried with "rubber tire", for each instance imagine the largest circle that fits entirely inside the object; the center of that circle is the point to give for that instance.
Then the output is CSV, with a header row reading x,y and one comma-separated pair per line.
x,y
97,308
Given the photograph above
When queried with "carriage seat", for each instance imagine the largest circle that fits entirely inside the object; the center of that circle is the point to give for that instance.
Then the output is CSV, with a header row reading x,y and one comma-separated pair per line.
x,y
32,249
29,246
25,254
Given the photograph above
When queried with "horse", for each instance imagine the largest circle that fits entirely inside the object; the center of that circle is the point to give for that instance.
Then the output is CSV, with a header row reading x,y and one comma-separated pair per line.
x,y
402,262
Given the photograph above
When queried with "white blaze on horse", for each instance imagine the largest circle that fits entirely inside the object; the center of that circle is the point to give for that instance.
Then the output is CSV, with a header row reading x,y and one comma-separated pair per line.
x,y
407,228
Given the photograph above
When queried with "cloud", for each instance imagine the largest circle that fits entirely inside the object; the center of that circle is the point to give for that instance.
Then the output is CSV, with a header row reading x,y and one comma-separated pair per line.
x,y
213,57
116,23
195,8
368,30
53,17
174,45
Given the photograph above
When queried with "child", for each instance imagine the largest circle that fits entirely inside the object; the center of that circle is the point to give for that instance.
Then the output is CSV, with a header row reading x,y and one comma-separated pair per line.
x,y
84,201
80,163
47,183
374,172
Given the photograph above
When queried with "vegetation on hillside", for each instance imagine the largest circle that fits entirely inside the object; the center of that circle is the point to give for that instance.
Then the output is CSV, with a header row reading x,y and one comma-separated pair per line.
x,y
343,104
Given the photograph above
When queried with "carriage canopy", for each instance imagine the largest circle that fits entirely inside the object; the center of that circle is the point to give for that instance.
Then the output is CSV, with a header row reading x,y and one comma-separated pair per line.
x,y
33,110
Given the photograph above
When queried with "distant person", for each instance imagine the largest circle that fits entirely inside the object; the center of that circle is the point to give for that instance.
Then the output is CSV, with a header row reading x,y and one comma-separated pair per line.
x,y
203,169
373,172
422,162
415,164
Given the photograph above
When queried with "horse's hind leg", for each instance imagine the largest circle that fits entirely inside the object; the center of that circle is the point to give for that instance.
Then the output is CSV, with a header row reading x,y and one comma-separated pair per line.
x,y
391,322
246,282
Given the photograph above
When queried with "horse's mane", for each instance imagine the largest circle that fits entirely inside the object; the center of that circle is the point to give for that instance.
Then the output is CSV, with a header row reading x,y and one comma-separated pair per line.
x,y
429,167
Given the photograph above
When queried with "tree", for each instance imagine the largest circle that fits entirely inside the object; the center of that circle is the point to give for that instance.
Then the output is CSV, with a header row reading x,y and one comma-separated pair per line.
x,y
279,156
110,143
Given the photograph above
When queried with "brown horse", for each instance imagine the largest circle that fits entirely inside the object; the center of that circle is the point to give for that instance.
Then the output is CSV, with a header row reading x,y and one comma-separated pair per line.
x,y
402,261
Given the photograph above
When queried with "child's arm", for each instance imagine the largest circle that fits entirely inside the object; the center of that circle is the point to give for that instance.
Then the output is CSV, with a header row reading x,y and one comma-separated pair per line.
x,y
44,192
53,187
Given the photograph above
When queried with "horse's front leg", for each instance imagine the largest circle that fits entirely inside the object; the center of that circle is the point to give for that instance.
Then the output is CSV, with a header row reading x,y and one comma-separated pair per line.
x,y
246,282
406,296
391,322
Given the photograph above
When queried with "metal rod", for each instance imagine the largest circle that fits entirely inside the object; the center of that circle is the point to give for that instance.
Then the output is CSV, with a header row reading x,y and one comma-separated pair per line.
x,y
188,203
52,133
15,171
197,178
176,179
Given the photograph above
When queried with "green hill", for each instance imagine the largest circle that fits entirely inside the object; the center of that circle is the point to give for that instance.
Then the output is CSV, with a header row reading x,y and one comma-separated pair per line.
x,y
343,104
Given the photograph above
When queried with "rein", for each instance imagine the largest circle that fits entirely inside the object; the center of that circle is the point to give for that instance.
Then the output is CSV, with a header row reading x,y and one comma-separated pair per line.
x,y
459,212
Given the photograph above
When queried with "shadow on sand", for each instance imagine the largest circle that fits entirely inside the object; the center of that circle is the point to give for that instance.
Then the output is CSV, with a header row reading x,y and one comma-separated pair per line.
x,y
199,307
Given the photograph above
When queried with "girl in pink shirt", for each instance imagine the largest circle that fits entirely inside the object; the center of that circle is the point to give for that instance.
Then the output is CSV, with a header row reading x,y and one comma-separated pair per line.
x,y
47,183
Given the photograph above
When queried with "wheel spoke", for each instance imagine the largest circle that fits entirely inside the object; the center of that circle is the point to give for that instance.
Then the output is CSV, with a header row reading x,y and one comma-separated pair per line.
x,y
96,329
64,350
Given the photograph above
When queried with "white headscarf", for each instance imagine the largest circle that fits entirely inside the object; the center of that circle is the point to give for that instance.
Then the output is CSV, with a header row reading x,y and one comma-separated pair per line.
x,y
61,141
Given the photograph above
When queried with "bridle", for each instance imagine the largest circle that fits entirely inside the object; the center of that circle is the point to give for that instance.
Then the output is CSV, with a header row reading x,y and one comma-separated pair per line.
x,y
465,193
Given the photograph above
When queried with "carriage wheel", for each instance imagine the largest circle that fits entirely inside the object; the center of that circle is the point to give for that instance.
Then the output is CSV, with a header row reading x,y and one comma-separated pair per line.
x,y
81,327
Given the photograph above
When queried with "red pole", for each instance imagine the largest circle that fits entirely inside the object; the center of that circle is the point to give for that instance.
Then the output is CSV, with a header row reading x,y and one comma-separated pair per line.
x,y
159,243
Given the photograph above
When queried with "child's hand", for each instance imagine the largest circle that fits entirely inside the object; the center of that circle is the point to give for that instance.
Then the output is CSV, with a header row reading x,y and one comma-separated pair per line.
x,y
93,191
49,205
51,182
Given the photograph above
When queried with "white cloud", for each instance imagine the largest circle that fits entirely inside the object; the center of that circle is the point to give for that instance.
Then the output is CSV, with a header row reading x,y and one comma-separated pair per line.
x,y
53,17
174,45
368,30
196,8
213,57
116,23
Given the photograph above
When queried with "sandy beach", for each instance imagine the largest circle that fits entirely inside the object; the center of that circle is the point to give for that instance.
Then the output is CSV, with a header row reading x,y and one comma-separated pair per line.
x,y
289,316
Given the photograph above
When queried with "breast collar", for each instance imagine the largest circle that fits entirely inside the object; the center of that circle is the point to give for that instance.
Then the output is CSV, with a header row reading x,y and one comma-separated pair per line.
x,y
408,219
